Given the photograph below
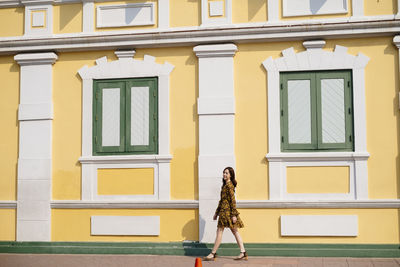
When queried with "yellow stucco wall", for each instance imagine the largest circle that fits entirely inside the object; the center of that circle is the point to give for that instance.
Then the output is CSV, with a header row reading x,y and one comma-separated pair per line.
x,y
183,13
127,27
67,18
9,100
380,7
318,180
381,103
125,181
244,11
68,115
262,225
74,225
7,224
14,19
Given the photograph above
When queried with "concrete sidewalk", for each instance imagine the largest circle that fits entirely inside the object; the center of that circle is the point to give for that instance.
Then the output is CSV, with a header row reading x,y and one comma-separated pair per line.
x,y
74,260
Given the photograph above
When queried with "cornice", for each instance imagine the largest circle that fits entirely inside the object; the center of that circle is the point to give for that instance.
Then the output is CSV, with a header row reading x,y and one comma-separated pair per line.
x,y
36,58
11,204
192,36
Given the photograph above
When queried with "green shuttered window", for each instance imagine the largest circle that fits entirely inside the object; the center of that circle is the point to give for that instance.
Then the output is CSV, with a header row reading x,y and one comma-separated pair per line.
x,y
316,111
125,116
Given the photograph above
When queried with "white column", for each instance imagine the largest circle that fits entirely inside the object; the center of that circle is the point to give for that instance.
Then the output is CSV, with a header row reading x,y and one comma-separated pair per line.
x,y
88,16
216,110
35,116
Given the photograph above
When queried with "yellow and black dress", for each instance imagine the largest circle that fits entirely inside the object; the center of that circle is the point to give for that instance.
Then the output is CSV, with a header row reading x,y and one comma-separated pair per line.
x,y
227,208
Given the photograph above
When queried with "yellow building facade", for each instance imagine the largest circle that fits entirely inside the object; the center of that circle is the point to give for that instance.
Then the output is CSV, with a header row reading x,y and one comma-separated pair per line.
x,y
119,117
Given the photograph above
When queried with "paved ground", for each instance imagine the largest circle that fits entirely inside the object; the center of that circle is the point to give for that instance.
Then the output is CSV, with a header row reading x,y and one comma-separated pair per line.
x,y
43,260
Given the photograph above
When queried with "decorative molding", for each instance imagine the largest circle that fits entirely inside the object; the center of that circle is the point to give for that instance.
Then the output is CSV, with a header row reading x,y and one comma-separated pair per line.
x,y
36,58
79,204
163,14
12,204
125,54
344,204
314,44
219,50
44,28
241,204
358,8
319,225
126,67
125,225
136,14
396,42
267,32
291,8
207,19
311,60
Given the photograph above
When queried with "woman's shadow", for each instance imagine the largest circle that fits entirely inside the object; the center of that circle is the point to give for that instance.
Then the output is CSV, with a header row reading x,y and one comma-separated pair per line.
x,y
191,247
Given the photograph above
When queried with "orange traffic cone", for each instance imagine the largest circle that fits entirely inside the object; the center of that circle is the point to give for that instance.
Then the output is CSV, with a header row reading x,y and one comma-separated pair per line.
x,y
198,263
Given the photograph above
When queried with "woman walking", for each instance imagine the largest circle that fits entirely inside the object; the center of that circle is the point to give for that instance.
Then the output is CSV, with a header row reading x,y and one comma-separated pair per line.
x,y
227,215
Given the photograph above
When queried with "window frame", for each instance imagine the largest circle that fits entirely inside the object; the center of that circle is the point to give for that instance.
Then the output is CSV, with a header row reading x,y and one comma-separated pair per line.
x,y
316,144
125,116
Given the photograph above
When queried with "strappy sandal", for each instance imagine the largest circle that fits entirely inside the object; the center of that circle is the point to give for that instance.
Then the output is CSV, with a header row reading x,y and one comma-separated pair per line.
x,y
213,258
244,257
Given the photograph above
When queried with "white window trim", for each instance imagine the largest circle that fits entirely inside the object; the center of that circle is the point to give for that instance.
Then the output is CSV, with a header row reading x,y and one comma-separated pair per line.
x,y
126,67
314,59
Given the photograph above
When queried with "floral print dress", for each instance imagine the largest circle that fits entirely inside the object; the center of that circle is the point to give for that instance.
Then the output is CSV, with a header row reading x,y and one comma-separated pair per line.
x,y
227,208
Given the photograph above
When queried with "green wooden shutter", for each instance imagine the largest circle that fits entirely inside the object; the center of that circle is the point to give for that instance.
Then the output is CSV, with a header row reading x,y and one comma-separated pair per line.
x,y
335,118
298,116
142,116
109,117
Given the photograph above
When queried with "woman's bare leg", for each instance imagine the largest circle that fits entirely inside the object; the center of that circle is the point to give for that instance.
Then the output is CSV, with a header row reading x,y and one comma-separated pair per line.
x,y
239,240
217,242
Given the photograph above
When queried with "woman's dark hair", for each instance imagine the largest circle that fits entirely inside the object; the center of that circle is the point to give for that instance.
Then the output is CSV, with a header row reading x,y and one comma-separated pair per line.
x,y
232,173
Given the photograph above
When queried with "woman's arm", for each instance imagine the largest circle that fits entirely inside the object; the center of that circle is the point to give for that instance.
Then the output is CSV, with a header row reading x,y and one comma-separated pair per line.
x,y
232,202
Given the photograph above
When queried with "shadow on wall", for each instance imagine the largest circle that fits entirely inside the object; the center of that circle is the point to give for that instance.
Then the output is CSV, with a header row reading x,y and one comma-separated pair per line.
x,y
315,5
67,14
254,7
194,248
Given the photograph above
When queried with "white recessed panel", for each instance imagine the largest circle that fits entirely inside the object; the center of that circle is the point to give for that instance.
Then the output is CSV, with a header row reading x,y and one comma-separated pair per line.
x,y
125,15
125,225
332,106
140,116
216,8
313,7
299,111
38,18
111,117
319,225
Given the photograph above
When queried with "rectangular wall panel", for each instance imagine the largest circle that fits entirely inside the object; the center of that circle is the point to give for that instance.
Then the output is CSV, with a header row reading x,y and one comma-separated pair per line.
x,y
125,225
319,225
125,15
313,7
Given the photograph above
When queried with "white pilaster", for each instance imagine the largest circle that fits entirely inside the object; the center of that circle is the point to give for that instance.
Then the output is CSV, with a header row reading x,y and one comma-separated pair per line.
x,y
273,10
216,110
163,14
35,146
358,8
396,42
88,16
398,9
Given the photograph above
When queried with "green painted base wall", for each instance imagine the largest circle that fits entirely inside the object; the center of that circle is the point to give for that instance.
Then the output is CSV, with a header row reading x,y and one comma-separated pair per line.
x,y
201,249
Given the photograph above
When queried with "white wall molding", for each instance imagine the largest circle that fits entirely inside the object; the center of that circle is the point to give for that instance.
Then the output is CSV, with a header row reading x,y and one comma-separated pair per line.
x,y
319,225
216,129
35,146
267,32
273,10
358,8
8,204
136,14
38,18
163,14
126,67
241,204
315,58
117,204
125,225
292,8
396,42
207,17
